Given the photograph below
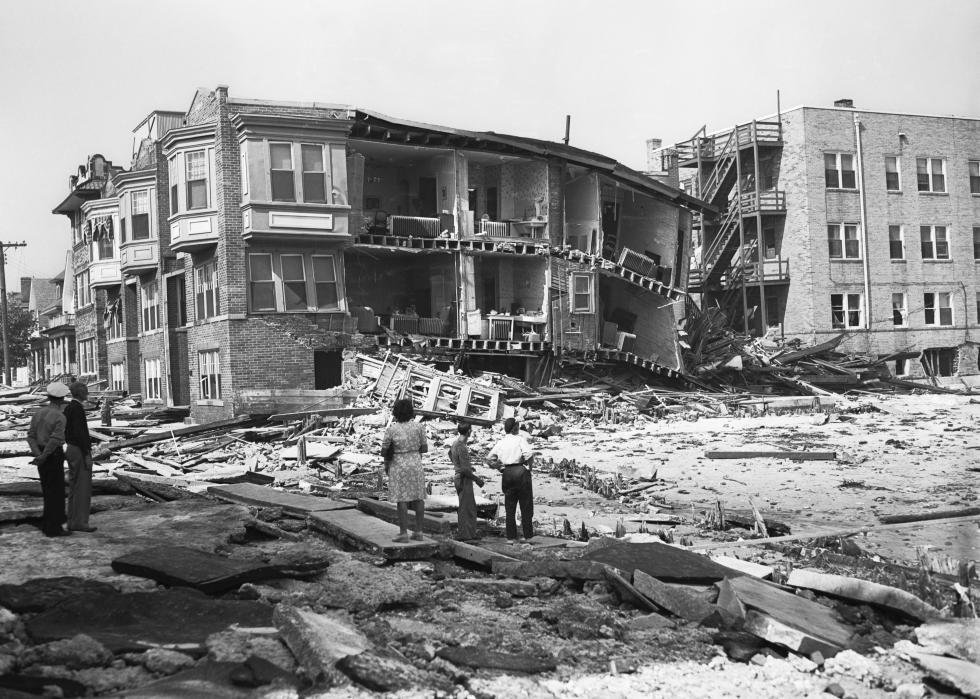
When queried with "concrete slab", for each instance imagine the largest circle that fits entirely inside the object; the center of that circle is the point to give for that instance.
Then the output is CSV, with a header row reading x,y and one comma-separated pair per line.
x,y
362,531
264,496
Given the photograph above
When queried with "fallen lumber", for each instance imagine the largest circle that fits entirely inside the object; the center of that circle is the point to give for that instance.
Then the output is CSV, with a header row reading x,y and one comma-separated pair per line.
x,y
433,522
550,397
823,535
929,516
899,383
326,412
159,488
864,591
145,439
794,455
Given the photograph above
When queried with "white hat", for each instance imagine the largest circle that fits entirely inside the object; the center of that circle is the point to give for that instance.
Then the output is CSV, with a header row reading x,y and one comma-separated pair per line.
x,y
56,389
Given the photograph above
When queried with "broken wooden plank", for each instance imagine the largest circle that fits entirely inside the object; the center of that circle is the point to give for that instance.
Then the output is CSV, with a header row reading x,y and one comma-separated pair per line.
x,y
363,531
433,523
676,600
186,567
477,554
475,656
145,439
794,455
159,488
264,496
928,516
864,591
324,412
796,612
666,563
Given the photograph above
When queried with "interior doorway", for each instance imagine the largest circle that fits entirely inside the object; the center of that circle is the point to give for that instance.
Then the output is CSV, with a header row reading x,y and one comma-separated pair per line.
x,y
327,369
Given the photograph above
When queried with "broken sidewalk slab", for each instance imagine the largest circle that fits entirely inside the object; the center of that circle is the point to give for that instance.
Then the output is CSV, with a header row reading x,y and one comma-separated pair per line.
x,y
792,455
864,591
187,567
472,656
478,554
264,496
572,570
17,508
680,602
179,618
434,522
382,671
812,626
756,570
626,591
362,531
957,637
318,640
663,562
207,680
40,594
954,672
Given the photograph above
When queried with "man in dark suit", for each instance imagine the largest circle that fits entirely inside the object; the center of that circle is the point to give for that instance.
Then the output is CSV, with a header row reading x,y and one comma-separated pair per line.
x,y
46,435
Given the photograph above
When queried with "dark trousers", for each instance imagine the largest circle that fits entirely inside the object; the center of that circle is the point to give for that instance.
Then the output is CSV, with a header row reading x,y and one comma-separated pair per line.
x,y
466,515
516,484
52,473
79,487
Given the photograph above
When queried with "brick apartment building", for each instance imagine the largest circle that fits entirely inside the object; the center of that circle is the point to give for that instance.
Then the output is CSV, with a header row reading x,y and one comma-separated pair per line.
x,y
252,245
843,220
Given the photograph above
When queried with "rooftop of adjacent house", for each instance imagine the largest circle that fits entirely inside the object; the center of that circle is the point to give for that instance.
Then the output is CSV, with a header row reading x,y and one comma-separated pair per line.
x,y
44,293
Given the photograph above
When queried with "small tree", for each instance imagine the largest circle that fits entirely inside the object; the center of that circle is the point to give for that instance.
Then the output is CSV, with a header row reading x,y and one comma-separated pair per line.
x,y
20,325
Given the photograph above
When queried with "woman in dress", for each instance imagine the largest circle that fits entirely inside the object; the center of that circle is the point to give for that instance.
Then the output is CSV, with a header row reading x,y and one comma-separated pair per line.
x,y
404,443
463,479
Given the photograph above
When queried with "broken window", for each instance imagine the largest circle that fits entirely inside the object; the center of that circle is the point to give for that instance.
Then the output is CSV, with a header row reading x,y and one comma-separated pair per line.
x,y
931,174
839,171
846,310
261,285
896,242
281,157
196,173
935,243
844,241
294,282
938,308
210,373
314,174
900,311
325,279
893,179
581,293
206,291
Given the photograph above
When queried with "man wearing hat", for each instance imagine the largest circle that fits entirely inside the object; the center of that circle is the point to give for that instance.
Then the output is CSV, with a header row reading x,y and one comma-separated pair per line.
x,y
46,435
78,452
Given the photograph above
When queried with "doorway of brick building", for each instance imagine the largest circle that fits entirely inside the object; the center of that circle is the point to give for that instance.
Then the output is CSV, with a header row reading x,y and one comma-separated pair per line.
x,y
179,374
327,369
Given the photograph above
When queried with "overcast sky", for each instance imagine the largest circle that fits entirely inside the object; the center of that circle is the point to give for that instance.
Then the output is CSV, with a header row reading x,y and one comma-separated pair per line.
x,y
76,78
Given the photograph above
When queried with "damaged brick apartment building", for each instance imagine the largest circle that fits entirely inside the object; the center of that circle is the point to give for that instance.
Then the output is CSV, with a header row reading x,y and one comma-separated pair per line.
x,y
255,245
838,220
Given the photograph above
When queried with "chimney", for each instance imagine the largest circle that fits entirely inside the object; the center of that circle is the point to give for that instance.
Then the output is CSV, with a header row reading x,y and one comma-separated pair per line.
x,y
653,157
844,103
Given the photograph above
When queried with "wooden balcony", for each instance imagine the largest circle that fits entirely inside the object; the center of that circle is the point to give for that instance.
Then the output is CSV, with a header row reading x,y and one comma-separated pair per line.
x,y
137,256
772,201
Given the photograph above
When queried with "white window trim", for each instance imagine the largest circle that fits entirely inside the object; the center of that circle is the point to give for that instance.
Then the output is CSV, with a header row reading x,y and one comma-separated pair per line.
x,y
838,165
155,374
312,302
145,305
209,364
901,239
933,240
904,309
847,310
314,281
117,382
292,165
207,180
572,293
208,289
937,309
929,160
841,230
324,159
898,171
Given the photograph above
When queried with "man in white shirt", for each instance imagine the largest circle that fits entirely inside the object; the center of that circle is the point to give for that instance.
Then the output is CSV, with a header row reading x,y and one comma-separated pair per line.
x,y
512,457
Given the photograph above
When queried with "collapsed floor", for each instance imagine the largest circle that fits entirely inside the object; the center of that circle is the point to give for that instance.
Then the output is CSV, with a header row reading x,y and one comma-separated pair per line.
x,y
270,542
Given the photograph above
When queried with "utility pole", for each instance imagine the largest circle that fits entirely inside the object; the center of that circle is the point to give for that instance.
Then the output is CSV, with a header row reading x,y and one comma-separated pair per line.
x,y
3,306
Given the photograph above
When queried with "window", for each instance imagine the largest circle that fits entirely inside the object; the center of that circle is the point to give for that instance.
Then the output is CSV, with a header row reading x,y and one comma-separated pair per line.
x,y
113,320
931,174
976,242
314,174
206,290
844,240
896,242
846,310
261,285
103,248
978,306
900,310
581,293
210,373
86,357
281,157
141,214
294,282
117,377
172,175
935,244
325,280
83,291
838,171
196,169
938,307
893,177
974,166
150,303
151,368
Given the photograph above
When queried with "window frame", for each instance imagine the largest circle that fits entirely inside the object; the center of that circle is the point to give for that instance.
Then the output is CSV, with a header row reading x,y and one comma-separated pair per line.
x,y
172,173
144,216
573,292
901,241
841,230
273,171
188,191
209,374
324,154
87,364
284,282
114,323
206,291
934,242
976,243
839,170
897,172
971,167
83,289
271,280
150,306
117,382
929,185
932,305
317,303
903,309
846,311
152,383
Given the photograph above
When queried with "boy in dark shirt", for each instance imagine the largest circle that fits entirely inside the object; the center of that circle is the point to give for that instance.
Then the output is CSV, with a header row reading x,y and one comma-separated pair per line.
x,y
79,455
